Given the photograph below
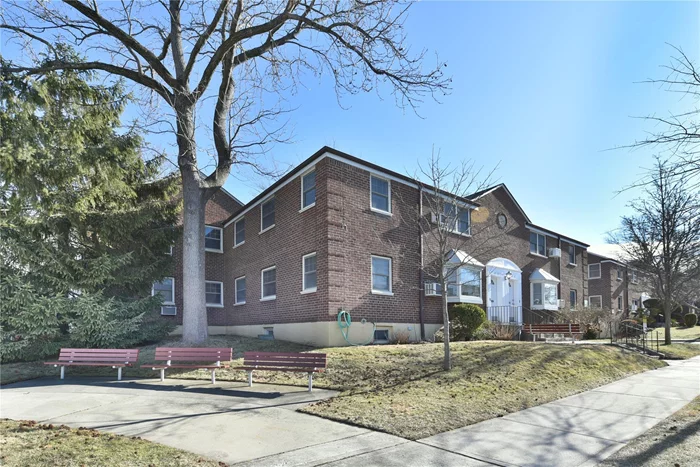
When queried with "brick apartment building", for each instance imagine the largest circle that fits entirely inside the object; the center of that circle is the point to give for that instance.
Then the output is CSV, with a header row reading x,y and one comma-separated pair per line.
x,y
614,285
331,235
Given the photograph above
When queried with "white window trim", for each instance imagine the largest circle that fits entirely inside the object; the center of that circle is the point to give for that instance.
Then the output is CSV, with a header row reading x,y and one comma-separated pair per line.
x,y
262,284
391,276
620,302
304,290
600,272
574,262
634,277
455,230
619,275
153,291
216,305
573,305
372,208
301,184
221,239
535,253
544,306
469,298
591,297
170,252
261,215
235,245
235,291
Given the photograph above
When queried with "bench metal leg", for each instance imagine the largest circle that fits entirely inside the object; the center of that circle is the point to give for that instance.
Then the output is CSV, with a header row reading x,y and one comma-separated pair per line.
x,y
162,374
63,371
119,373
250,378
311,381
213,376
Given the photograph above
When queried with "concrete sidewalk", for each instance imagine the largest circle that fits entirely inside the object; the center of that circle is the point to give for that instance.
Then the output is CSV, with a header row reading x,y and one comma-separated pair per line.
x,y
260,426
579,430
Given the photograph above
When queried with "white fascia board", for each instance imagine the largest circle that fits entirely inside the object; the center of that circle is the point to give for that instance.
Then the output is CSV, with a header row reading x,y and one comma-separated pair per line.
x,y
531,228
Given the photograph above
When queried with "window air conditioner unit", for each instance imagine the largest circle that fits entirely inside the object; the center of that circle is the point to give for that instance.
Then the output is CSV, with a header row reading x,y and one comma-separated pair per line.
x,y
555,252
561,303
434,218
168,310
431,289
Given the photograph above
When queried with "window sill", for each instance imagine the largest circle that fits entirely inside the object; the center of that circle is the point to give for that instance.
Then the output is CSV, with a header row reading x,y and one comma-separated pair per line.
x,y
538,255
266,229
465,299
572,264
211,250
545,307
307,207
379,211
305,291
267,299
239,304
591,278
382,292
239,244
209,305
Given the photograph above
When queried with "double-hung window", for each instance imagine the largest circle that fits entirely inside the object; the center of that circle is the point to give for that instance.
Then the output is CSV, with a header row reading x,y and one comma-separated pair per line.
x,y
166,290
239,285
596,301
538,244
633,279
214,293
594,271
619,274
619,302
308,189
572,255
239,232
455,219
308,266
381,275
267,215
212,239
380,194
572,299
268,283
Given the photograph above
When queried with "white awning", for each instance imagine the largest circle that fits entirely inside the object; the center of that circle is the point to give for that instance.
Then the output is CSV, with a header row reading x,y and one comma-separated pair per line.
x,y
463,258
540,275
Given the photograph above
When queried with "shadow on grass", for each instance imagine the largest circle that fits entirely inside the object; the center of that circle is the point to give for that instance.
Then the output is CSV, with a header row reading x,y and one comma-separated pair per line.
x,y
660,446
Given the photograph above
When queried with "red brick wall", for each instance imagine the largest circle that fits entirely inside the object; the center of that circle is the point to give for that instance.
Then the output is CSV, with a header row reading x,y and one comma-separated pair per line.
x,y
218,209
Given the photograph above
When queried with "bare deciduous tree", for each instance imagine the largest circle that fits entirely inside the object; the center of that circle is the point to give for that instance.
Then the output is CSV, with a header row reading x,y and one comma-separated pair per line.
x,y
676,136
450,243
662,237
238,53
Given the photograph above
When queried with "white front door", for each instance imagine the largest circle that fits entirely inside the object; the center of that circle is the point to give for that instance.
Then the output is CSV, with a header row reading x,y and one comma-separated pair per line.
x,y
504,293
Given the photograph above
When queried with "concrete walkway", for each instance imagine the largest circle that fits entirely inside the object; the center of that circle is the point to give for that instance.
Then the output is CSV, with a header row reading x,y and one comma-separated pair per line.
x,y
259,425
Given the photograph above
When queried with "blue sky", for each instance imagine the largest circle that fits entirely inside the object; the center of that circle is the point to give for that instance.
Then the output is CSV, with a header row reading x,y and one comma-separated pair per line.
x,y
543,88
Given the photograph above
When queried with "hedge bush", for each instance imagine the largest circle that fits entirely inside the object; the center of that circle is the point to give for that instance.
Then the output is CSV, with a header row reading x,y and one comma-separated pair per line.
x,y
466,319
690,320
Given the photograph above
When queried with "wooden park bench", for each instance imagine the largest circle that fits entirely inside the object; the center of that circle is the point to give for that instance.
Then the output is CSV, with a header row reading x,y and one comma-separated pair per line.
x,y
309,363
205,358
563,328
116,358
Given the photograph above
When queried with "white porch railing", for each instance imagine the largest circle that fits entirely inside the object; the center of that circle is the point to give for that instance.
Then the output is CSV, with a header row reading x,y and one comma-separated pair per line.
x,y
505,314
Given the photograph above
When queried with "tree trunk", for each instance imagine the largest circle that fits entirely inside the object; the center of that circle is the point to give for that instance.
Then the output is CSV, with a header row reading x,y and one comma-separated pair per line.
x,y
447,362
194,313
667,321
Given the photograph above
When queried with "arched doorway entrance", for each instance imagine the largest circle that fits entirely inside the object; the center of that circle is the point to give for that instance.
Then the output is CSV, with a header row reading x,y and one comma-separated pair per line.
x,y
504,292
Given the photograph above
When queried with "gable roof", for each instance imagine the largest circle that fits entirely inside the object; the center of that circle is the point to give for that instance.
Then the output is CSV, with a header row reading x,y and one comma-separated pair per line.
x,y
491,189
333,153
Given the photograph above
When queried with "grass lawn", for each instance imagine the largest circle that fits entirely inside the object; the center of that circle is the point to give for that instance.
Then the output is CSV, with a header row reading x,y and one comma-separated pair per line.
x,y
679,351
674,441
29,443
677,333
401,389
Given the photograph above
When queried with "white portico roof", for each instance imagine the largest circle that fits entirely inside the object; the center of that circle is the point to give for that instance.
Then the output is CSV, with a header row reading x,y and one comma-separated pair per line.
x,y
540,275
463,258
